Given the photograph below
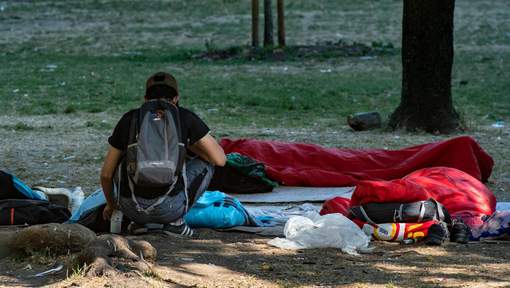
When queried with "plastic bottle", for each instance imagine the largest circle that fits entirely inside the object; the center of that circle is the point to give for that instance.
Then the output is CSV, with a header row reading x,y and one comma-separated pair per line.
x,y
116,222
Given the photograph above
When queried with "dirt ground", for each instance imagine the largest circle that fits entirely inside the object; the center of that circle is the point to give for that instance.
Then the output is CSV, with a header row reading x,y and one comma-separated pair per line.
x,y
243,260
66,151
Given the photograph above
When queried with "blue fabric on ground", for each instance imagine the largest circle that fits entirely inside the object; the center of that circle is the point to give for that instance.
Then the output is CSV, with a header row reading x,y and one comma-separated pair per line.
x,y
215,209
90,203
27,191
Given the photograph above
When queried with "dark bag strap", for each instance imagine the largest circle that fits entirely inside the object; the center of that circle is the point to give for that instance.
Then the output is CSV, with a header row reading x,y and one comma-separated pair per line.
x,y
401,212
17,203
133,128
442,213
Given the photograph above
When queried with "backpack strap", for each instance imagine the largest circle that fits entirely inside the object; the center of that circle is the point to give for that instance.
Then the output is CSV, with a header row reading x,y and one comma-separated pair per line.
x,y
422,211
160,199
182,146
400,212
439,209
117,179
185,180
180,170
130,165
181,164
133,127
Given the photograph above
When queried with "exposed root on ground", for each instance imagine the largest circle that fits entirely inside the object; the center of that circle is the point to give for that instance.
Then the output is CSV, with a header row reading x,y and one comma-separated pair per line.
x,y
102,255
55,239
109,251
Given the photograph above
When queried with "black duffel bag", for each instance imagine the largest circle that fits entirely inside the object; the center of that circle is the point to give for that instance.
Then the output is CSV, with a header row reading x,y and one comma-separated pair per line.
x,y
31,212
415,212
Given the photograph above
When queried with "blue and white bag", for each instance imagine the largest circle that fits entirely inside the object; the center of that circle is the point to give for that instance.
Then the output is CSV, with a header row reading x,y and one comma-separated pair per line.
x,y
216,210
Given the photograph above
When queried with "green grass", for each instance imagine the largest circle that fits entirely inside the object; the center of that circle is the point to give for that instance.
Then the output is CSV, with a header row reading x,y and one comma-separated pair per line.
x,y
94,56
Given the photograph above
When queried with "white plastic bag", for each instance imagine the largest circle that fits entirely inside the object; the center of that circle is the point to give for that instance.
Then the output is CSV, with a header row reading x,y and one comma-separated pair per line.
x,y
315,231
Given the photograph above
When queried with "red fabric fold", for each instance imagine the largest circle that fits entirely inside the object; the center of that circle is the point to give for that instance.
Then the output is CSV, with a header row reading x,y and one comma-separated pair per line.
x,y
297,164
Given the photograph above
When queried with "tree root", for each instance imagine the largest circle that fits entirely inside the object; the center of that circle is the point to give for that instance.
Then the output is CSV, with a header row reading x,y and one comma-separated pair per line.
x,y
130,254
103,255
57,239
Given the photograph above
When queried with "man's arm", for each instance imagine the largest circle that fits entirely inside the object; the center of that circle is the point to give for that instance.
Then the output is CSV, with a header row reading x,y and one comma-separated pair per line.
x,y
110,164
208,149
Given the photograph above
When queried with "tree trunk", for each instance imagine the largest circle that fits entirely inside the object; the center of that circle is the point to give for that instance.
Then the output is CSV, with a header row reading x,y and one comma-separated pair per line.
x,y
427,58
255,23
268,24
281,23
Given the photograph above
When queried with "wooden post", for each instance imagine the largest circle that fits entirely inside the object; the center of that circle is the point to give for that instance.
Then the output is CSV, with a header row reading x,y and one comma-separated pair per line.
x,y
281,23
255,23
268,24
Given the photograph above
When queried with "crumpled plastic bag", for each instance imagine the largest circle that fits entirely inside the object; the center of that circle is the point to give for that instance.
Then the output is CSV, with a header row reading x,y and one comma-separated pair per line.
x,y
315,231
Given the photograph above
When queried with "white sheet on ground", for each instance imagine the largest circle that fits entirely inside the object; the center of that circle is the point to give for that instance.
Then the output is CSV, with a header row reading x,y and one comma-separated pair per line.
x,y
279,215
287,194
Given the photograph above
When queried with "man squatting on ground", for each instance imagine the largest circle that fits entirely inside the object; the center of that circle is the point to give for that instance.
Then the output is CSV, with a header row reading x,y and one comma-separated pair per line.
x,y
199,167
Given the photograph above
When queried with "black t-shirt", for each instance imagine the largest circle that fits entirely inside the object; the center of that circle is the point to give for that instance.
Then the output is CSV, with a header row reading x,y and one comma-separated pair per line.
x,y
192,129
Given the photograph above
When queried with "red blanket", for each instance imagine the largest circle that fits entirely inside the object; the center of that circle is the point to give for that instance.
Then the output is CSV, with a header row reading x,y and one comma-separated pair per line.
x,y
295,164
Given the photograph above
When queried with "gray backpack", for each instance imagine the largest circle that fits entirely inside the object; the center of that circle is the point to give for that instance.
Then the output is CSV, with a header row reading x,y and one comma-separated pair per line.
x,y
156,154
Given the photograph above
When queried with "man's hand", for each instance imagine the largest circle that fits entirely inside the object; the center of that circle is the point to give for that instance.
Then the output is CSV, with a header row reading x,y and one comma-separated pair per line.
x,y
107,212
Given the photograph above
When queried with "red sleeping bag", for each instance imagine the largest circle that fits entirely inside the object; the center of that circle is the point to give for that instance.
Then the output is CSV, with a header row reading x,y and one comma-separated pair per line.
x,y
296,164
461,194
336,205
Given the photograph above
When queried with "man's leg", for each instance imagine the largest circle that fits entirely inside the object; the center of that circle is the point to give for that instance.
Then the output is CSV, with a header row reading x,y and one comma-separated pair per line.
x,y
199,174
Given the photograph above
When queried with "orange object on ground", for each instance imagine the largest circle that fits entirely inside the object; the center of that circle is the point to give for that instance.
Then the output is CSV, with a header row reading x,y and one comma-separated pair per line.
x,y
396,232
